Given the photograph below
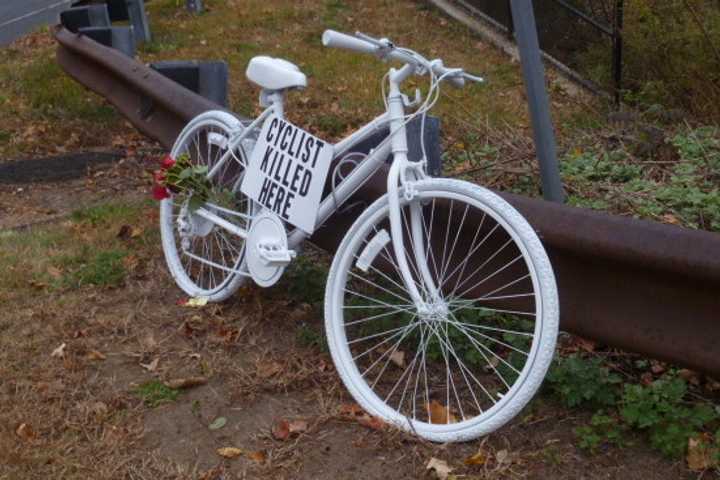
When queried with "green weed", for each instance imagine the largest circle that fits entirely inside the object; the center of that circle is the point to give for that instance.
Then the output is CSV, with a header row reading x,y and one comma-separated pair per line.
x,y
154,393
578,381
305,280
603,429
660,409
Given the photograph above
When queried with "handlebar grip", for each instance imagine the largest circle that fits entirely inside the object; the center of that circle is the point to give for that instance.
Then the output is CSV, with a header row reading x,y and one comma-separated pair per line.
x,y
333,39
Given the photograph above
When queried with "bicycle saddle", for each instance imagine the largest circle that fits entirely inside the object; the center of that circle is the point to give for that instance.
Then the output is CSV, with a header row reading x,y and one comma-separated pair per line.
x,y
275,73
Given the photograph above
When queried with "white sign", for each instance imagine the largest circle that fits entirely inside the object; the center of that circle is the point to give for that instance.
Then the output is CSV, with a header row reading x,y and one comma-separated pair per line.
x,y
287,172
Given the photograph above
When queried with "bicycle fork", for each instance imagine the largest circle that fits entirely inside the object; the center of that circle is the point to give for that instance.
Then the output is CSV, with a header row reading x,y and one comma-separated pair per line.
x,y
429,302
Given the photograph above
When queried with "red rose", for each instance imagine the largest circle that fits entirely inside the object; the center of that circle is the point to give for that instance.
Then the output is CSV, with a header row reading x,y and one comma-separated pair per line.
x,y
159,176
160,193
167,162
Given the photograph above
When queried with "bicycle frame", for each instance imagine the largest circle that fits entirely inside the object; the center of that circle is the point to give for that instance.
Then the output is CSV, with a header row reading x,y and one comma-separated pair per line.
x,y
394,117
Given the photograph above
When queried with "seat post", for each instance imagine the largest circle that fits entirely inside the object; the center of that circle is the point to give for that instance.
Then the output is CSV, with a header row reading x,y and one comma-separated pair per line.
x,y
273,98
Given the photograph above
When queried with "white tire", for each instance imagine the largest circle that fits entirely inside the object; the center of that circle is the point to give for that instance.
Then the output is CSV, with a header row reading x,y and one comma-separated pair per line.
x,y
398,362
207,265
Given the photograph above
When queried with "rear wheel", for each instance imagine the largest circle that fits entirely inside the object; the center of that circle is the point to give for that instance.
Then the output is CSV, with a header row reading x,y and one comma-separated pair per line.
x,y
203,258
467,361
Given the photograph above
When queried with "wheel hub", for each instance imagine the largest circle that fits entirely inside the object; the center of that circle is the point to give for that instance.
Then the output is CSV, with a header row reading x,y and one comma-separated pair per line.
x,y
434,312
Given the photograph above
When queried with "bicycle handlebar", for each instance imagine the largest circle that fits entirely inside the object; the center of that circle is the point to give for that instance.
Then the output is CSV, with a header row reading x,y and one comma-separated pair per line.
x,y
385,49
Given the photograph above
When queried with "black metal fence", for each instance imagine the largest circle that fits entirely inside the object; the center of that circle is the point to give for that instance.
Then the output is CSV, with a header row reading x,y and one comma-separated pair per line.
x,y
584,35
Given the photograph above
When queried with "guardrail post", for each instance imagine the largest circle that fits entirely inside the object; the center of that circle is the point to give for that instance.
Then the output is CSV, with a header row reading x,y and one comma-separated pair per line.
x,y
195,6
80,17
119,38
526,37
134,11
208,79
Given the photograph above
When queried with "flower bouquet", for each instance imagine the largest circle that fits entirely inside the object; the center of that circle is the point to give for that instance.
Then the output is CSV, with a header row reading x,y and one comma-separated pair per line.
x,y
178,177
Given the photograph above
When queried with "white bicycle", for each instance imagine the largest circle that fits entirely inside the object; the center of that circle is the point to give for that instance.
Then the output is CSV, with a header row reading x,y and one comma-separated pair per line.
x,y
441,307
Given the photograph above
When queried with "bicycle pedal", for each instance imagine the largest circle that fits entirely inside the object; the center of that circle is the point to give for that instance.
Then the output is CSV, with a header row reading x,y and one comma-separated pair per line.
x,y
274,254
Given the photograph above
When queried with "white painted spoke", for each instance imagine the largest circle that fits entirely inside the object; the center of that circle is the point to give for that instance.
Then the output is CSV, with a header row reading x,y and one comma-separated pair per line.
x,y
375,335
492,275
373,317
479,269
452,249
370,282
497,310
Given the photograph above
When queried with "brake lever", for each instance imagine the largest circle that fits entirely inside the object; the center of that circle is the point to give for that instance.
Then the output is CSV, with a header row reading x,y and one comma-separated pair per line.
x,y
473,78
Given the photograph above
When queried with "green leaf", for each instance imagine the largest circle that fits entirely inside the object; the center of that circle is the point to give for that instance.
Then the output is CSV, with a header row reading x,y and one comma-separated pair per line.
x,y
195,202
186,173
218,423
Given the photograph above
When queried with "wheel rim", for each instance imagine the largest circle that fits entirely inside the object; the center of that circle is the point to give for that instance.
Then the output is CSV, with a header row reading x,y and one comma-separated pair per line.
x,y
194,241
468,397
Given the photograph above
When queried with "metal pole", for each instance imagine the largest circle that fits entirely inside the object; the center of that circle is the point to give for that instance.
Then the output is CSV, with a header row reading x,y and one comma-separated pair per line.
x,y
527,41
618,50
510,26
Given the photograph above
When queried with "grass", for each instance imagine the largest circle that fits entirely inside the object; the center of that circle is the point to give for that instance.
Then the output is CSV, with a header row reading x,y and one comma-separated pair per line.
x,y
104,269
155,393
108,213
84,251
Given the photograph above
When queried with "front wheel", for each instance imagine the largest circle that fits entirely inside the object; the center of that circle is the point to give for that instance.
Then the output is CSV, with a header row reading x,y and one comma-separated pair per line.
x,y
468,359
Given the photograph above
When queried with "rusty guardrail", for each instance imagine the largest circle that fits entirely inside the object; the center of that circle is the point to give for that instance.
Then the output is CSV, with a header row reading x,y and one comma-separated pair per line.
x,y
632,284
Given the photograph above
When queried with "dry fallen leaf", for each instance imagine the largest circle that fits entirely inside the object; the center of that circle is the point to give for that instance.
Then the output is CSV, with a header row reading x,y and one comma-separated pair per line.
x,y
480,458
26,432
281,430
398,358
95,355
54,272
196,302
297,426
180,383
371,422
152,366
690,376
701,456
351,409
230,452
440,413
59,352
127,232
268,369
439,467
259,456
